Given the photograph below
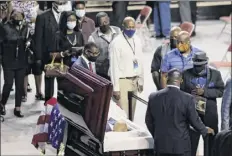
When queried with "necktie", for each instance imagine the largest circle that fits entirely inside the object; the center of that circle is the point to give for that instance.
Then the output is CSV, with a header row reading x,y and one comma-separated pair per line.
x,y
90,67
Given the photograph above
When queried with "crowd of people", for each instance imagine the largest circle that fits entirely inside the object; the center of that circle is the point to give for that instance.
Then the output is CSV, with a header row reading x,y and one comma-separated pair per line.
x,y
30,39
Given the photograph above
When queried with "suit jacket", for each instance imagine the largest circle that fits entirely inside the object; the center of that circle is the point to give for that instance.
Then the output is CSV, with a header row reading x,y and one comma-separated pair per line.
x,y
81,62
213,89
47,32
169,115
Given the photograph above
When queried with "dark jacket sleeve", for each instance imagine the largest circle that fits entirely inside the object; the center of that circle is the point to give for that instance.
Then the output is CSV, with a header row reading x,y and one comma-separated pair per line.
x,y
149,120
39,28
2,32
156,61
217,90
194,119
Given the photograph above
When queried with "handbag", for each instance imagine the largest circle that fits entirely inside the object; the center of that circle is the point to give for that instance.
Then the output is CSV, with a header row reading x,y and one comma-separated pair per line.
x,y
55,69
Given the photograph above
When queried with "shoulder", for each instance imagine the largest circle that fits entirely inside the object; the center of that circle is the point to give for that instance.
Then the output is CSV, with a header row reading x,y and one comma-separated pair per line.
x,y
186,95
214,71
171,53
117,29
44,14
89,20
117,40
195,49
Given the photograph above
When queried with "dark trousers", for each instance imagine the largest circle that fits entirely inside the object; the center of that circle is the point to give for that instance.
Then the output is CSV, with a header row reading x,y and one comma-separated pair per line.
x,y
185,154
9,76
195,136
193,6
49,87
119,12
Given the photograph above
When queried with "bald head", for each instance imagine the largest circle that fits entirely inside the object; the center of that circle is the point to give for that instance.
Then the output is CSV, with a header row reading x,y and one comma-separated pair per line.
x,y
129,22
175,31
183,36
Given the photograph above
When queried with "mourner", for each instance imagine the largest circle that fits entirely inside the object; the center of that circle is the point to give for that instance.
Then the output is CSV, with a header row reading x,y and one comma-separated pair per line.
x,y
180,57
89,57
47,33
84,24
159,54
71,41
170,113
103,36
14,59
34,67
126,64
226,108
206,85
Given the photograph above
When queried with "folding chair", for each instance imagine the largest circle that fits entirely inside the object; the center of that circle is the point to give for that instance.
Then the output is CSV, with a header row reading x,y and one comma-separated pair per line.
x,y
187,26
142,28
226,20
224,63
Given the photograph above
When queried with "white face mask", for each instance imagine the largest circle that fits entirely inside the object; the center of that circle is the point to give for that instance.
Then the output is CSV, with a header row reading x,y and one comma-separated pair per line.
x,y
58,8
80,13
71,25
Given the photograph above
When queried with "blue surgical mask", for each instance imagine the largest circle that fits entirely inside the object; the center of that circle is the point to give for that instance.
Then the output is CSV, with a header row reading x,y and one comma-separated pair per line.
x,y
129,32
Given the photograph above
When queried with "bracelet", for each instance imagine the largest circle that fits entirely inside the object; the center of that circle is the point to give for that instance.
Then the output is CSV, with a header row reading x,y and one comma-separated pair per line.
x,y
61,54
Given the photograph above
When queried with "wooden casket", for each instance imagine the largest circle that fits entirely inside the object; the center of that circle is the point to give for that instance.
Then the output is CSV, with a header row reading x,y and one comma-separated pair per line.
x,y
85,102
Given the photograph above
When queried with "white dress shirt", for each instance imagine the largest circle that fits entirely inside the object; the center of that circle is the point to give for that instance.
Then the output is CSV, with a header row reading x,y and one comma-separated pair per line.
x,y
56,15
88,62
122,59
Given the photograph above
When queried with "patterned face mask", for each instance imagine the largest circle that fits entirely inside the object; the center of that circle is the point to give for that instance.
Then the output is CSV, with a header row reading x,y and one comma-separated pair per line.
x,y
183,47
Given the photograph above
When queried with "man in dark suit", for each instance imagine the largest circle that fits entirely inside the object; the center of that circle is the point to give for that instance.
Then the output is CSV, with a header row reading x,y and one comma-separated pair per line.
x,y
170,113
47,32
206,85
89,57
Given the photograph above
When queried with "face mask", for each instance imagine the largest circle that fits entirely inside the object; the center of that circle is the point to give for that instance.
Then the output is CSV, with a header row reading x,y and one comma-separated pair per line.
x,y
71,25
92,58
173,43
199,68
18,22
104,28
58,8
80,13
129,32
183,47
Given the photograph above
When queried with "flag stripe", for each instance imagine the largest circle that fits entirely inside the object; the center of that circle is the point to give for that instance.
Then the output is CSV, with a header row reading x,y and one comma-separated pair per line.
x,y
39,138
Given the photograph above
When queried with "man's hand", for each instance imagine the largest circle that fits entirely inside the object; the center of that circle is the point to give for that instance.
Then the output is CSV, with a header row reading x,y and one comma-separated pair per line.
x,y
116,95
210,131
66,53
140,88
199,91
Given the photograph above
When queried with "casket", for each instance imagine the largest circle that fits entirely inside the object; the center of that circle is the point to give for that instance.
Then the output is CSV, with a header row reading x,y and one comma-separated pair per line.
x,y
86,127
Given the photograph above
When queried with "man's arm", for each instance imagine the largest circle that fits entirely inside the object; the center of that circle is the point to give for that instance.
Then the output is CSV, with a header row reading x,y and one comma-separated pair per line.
x,y
165,67
149,118
193,117
226,106
114,66
217,90
155,67
39,31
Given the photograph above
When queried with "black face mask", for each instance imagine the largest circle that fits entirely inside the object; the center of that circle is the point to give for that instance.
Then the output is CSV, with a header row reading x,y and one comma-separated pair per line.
x,y
104,28
199,68
92,58
173,43
17,22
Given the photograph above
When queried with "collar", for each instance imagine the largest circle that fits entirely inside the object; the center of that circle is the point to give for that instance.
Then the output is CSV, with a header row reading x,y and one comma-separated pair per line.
x,y
55,13
173,86
112,31
85,19
85,59
189,55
